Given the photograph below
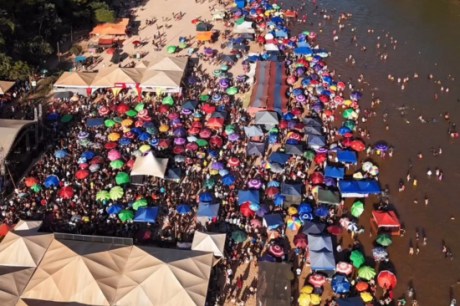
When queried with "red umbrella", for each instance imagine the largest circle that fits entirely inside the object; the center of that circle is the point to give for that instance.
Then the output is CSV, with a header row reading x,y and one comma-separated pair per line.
x,y
136,42
82,174
208,108
261,39
295,136
348,135
335,230
358,145
297,111
320,158
66,192
163,143
276,250
317,178
299,126
233,162
4,229
246,210
271,192
163,109
216,141
362,286
346,142
178,149
205,133
173,116
83,165
130,163
283,124
191,146
104,111
324,98
386,279
194,131
97,160
122,108
344,267
110,145
301,240
30,181
317,280
197,124
110,51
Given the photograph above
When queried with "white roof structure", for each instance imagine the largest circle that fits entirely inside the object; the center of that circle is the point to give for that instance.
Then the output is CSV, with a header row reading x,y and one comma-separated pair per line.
x,y
168,63
161,79
209,242
5,86
115,76
150,165
9,130
88,271
75,79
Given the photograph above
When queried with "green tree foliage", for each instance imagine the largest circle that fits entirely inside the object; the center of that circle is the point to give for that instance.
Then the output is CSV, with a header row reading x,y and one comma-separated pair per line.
x,y
31,29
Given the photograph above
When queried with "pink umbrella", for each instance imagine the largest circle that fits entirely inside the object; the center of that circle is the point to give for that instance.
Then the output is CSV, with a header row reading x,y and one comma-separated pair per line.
x,y
191,146
216,141
179,141
113,155
317,280
83,165
142,113
344,267
255,183
233,162
276,250
104,111
178,149
205,133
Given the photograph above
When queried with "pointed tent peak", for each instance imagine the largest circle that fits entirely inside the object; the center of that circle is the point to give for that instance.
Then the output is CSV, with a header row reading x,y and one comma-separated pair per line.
x,y
114,75
5,86
209,242
75,79
24,251
13,280
168,63
142,64
27,225
150,165
161,78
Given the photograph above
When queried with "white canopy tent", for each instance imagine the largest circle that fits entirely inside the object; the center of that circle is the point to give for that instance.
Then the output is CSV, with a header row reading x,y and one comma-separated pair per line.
x,y
209,242
150,165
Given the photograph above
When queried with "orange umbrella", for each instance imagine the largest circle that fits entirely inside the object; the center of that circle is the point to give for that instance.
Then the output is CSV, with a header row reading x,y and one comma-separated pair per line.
x,y
30,181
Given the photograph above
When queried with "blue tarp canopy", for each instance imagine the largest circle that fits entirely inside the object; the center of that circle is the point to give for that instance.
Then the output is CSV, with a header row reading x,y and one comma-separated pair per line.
x,y
314,130
279,157
334,172
313,121
208,210
351,301
361,188
240,3
315,228
273,221
316,141
252,196
347,156
93,122
294,149
255,148
322,261
146,214
303,43
281,34
80,59
303,51
320,243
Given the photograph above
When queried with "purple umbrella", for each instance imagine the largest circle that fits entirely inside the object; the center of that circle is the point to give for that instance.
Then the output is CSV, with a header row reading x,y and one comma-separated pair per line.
x,y
224,83
186,111
329,181
226,98
216,97
208,51
255,183
234,137
263,209
217,166
83,135
321,150
300,98
180,132
179,141
318,107
241,78
300,71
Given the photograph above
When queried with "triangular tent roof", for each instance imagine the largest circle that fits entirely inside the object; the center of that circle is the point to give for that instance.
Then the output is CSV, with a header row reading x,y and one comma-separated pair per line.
x,y
267,118
253,131
142,64
112,76
327,196
386,218
13,280
75,79
5,86
156,78
255,148
209,242
319,243
168,63
27,225
323,261
150,165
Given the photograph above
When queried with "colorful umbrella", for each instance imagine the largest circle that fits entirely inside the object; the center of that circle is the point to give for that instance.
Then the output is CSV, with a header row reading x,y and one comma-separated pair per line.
x,y
66,192
317,280
344,267
126,215
114,155
357,258
113,137
294,224
116,193
30,181
168,100
122,178
357,209
82,174
117,164
51,181
361,286
366,297
36,188
239,236
140,203
103,195
384,240
387,280
276,250
366,272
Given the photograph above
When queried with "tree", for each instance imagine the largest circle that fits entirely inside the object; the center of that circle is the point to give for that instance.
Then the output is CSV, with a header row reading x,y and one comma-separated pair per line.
x,y
102,12
13,70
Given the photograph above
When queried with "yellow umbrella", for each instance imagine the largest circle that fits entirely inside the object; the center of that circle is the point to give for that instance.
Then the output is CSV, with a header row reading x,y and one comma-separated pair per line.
x,y
306,289
304,299
315,299
85,219
144,148
292,211
309,58
127,122
366,297
214,172
114,136
347,102
333,88
163,128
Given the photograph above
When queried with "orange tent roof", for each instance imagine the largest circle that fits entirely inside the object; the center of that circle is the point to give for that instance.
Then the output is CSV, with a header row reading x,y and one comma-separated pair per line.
x,y
204,36
386,218
111,28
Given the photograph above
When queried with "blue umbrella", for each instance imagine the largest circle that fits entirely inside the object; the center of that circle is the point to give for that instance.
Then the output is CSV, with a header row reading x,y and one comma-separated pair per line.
x,y
288,116
183,209
292,142
343,130
279,199
60,153
144,136
136,130
340,284
154,142
217,166
213,153
263,210
206,197
223,172
296,92
356,95
124,141
305,208
51,181
381,147
148,124
273,184
306,217
180,132
88,155
114,209
228,180
322,212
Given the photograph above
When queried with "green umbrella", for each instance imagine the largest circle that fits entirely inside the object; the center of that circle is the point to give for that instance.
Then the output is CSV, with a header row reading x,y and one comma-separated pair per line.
x,y
230,129
349,113
182,45
117,164
209,183
217,72
66,118
122,178
168,101
240,21
232,91
224,67
140,203
357,209
36,188
109,123
152,130
384,240
202,142
204,98
274,130
357,258
309,155
350,124
103,195
118,119
126,215
171,49
131,113
139,107
366,272
239,236
116,193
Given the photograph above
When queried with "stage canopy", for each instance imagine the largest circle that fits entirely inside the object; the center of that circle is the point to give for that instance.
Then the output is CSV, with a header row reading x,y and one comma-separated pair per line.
x,y
150,165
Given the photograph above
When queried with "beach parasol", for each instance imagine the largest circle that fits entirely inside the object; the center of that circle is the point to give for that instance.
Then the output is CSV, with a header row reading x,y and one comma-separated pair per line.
x,y
117,164
357,258
340,284
113,155
366,272
114,209
276,250
228,180
366,297
239,236
306,289
292,211
344,268
113,137
232,91
384,240
122,108
126,215
94,167
82,174
116,193
271,192
51,181
66,192
357,209
60,154
294,224
361,286
255,183
387,280
317,280
103,195
246,210
122,178
142,202
171,49
233,162
168,100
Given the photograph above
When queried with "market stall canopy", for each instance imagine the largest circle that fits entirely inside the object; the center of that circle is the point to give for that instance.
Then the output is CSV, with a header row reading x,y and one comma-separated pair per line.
x,y
75,79
150,165
204,36
320,243
266,118
9,130
334,172
5,86
114,29
347,156
209,242
255,148
117,77
253,131
327,196
158,79
168,63
274,284
359,188
322,261
207,212
146,214
252,196
385,218
244,27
